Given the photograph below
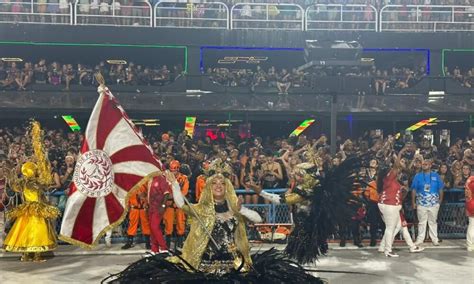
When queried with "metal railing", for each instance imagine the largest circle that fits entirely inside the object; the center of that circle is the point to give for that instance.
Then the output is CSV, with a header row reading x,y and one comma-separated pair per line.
x,y
267,16
452,220
118,13
260,16
426,18
37,12
211,15
341,17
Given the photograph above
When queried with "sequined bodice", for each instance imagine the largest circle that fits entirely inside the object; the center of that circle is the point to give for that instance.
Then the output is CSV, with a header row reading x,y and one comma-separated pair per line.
x,y
220,259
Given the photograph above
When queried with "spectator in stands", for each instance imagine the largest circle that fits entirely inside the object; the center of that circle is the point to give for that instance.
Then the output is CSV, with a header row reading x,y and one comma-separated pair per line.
x,y
84,10
64,10
41,72
469,79
249,175
94,11
104,9
27,75
116,8
427,195
283,82
68,76
42,6
460,180
271,172
54,74
138,11
446,176
53,9
14,78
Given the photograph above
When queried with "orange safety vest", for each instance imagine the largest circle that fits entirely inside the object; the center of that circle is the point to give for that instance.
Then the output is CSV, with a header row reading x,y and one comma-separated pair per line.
x,y
138,199
371,192
200,184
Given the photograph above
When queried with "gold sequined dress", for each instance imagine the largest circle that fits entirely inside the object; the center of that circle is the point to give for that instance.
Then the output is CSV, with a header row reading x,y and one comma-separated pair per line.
x,y
32,230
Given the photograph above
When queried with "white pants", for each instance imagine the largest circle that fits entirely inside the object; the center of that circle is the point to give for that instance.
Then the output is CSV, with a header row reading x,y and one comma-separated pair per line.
x,y
470,234
391,218
427,215
405,233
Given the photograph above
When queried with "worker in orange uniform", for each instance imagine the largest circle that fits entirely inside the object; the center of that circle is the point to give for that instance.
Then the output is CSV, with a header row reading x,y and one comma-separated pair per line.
x,y
173,215
138,214
201,182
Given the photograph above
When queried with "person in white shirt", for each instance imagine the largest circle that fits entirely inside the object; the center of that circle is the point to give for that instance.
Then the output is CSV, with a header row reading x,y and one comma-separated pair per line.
x,y
117,11
104,11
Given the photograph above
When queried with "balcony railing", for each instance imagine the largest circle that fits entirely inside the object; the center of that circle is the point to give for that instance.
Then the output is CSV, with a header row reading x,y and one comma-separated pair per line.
x,y
36,12
354,95
118,13
211,15
341,17
267,16
424,18
255,16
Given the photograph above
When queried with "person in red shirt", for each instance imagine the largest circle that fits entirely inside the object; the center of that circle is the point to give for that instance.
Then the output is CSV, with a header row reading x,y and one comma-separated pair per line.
x,y
469,192
390,202
174,215
158,193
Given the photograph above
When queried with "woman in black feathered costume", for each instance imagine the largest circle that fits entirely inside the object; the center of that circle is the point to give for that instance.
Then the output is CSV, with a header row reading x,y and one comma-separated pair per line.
x,y
321,204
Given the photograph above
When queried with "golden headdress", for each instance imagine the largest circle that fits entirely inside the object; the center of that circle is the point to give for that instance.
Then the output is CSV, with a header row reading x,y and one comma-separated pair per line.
x,y
219,167
308,169
38,163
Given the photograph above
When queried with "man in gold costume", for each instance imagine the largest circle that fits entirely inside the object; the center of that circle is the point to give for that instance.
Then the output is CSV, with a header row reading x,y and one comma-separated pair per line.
x,y
32,233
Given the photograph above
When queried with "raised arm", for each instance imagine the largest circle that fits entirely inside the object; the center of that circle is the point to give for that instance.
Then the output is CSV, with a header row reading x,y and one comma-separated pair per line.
x,y
249,214
273,198
177,195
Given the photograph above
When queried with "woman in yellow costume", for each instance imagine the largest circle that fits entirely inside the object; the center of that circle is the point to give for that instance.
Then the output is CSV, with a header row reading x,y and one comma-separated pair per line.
x,y
216,249
32,233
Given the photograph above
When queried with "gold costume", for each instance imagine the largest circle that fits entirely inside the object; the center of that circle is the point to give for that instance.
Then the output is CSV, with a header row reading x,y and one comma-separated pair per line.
x,y
32,231
198,238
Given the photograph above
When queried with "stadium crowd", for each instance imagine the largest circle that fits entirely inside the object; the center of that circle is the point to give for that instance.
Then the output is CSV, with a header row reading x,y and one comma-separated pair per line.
x,y
464,77
265,162
284,79
17,76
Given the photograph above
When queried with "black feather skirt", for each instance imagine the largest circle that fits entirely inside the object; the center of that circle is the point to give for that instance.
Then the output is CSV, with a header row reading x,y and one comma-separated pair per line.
x,y
268,267
297,247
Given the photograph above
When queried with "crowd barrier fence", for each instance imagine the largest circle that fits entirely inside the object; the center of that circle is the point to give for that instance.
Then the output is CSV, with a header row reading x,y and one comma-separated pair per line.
x,y
452,220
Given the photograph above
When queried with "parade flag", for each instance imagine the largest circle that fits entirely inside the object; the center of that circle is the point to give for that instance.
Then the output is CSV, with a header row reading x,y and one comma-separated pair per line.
x,y
418,125
305,124
71,122
115,160
189,124
421,123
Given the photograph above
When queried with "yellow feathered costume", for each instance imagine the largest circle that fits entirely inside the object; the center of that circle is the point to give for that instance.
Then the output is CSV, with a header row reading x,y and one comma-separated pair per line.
x,y
32,231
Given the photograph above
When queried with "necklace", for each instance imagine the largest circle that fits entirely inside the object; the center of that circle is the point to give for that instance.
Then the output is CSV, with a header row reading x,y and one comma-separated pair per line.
x,y
221,207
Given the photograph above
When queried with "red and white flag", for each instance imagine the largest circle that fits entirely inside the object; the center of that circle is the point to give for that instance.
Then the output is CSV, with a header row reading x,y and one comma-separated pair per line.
x,y
115,160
